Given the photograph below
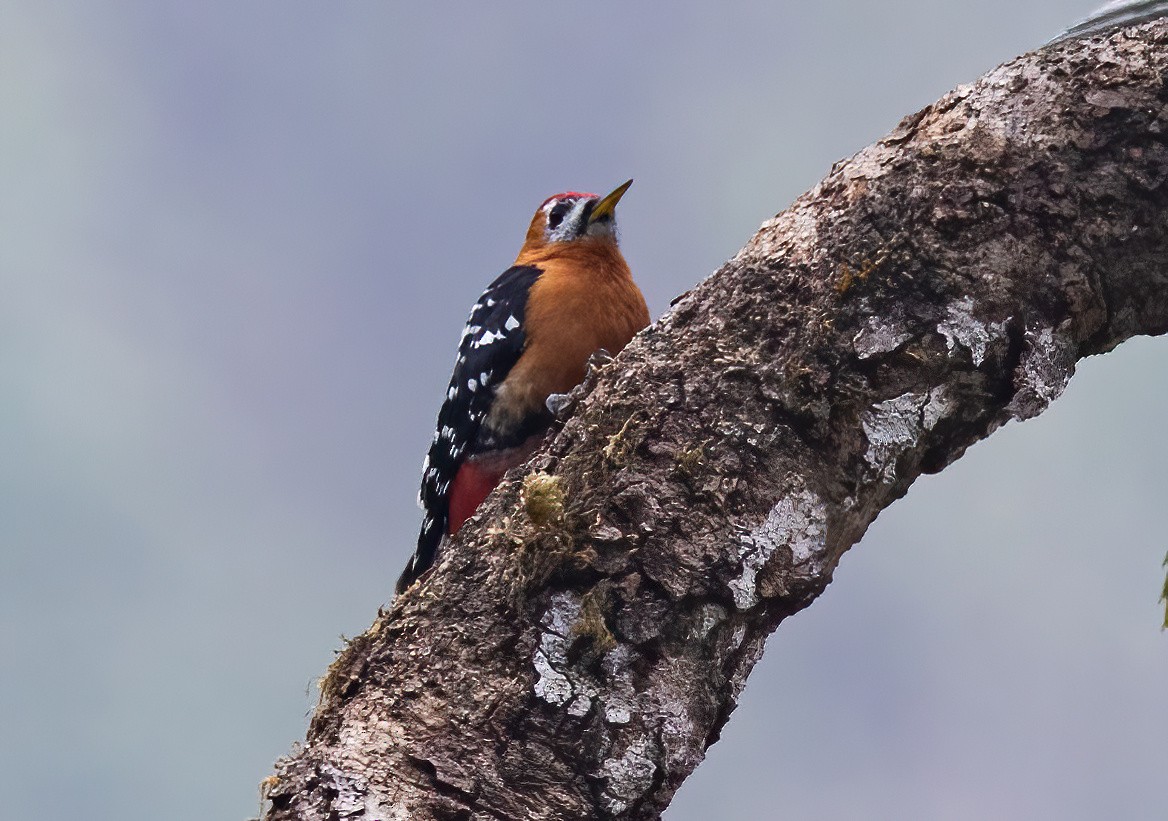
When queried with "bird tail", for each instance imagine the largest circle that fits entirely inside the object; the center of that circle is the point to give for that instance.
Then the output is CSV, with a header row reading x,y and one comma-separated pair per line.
x,y
429,540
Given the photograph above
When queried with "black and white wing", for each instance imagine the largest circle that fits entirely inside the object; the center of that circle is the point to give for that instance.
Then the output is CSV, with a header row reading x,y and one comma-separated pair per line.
x,y
491,344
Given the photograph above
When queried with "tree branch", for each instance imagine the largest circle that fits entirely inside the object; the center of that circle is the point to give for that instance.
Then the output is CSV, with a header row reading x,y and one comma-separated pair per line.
x,y
585,638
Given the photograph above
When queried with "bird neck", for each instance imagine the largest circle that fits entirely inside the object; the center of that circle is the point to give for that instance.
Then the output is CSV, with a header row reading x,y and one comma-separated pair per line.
x,y
598,255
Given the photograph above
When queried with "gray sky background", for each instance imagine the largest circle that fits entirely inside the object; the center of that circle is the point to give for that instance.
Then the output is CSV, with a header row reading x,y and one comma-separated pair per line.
x,y
238,242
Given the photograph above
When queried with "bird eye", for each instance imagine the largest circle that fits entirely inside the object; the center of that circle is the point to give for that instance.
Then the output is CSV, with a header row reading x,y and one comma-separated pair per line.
x,y
556,215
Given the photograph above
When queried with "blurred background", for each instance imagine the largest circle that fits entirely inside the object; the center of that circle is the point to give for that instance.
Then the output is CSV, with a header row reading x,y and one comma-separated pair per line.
x,y
237,246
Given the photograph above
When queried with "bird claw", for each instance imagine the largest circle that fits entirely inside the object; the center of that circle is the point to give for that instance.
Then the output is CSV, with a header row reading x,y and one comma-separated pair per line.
x,y
600,357
557,403
562,405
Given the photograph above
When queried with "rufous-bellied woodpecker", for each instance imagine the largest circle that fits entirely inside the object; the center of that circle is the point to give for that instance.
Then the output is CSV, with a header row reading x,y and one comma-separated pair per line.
x,y
530,335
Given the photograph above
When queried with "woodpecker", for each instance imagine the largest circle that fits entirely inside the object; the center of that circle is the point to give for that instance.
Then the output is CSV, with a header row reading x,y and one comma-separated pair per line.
x,y
568,295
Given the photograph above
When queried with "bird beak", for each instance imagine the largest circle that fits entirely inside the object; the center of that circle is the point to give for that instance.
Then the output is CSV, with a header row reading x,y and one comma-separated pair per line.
x,y
607,205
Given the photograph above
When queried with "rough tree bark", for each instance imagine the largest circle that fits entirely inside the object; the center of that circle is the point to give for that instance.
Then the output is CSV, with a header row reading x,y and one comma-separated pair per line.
x,y
585,639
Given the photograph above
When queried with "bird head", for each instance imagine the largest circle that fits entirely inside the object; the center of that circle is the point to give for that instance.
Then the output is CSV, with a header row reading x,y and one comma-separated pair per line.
x,y
574,215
